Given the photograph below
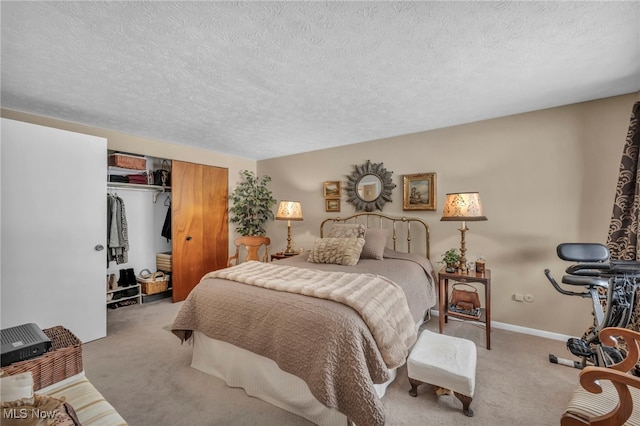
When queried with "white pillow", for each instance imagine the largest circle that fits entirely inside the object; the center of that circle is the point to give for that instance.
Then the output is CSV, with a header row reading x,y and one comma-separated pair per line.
x,y
18,386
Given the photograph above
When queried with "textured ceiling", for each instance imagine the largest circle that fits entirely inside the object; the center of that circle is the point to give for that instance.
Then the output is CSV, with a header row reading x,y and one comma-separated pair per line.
x,y
266,79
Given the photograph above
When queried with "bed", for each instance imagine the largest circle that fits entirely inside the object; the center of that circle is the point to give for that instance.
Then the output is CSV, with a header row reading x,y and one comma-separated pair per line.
x,y
320,334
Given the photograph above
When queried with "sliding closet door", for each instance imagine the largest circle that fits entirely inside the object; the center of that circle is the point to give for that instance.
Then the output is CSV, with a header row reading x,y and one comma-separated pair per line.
x,y
199,222
53,229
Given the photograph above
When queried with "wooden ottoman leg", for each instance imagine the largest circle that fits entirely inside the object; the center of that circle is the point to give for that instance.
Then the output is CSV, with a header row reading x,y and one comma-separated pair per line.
x,y
466,402
414,386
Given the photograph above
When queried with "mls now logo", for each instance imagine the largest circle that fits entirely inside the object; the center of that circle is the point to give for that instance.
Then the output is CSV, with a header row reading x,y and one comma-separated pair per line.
x,y
24,413
15,413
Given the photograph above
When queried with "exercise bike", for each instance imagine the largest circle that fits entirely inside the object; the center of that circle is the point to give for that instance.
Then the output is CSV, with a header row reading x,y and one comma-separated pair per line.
x,y
611,285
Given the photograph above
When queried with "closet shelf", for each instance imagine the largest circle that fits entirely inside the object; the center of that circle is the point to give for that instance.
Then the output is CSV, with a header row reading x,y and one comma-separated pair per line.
x,y
121,171
157,189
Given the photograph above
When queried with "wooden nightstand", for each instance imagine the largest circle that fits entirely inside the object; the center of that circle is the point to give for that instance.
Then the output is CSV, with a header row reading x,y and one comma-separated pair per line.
x,y
281,255
470,277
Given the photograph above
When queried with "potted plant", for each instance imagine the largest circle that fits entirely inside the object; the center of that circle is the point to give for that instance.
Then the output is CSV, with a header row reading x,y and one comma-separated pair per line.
x,y
252,204
451,258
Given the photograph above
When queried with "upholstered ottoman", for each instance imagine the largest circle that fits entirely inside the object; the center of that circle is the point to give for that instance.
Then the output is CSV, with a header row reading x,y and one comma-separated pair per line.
x,y
444,361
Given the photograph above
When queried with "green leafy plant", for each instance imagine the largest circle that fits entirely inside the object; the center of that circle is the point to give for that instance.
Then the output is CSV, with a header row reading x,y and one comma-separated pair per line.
x,y
451,258
252,203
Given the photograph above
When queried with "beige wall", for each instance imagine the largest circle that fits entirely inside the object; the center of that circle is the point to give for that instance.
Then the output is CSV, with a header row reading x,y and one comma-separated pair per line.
x,y
544,177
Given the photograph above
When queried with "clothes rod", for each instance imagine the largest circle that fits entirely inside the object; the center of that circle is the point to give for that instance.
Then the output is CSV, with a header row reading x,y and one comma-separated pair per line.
x,y
156,189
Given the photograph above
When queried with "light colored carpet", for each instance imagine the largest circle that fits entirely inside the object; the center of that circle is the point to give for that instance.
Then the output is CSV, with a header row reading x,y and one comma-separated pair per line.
x,y
144,371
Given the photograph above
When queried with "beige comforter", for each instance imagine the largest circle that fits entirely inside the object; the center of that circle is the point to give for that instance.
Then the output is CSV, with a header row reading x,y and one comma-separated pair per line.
x,y
379,301
327,344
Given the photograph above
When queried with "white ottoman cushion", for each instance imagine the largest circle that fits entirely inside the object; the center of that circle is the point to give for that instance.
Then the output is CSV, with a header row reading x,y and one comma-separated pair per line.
x,y
445,361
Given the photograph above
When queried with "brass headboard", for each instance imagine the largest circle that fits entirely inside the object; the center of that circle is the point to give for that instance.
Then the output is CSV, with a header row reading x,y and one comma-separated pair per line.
x,y
397,226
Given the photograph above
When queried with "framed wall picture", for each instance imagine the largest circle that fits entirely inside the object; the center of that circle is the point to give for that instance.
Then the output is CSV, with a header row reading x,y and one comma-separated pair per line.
x,y
332,204
419,192
332,189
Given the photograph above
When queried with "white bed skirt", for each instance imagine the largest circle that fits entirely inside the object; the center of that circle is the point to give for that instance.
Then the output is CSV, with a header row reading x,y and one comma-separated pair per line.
x,y
262,378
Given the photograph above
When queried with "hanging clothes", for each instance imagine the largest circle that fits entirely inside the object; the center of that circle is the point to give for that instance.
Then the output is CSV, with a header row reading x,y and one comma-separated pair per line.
x,y
117,230
166,228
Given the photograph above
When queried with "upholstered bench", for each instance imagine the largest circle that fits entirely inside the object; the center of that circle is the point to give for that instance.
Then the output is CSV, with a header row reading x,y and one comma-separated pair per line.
x,y
444,361
87,405
90,406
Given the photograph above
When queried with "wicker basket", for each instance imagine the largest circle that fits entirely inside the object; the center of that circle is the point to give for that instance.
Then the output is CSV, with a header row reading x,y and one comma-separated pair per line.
x,y
153,283
62,361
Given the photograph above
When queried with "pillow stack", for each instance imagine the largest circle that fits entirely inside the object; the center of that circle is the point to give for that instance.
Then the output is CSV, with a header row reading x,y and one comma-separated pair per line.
x,y
348,243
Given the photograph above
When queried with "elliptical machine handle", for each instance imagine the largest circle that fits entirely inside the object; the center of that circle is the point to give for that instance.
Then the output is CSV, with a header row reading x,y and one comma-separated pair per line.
x,y
553,282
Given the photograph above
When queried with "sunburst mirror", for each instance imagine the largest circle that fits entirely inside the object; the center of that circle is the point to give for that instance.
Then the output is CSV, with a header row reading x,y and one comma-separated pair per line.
x,y
369,186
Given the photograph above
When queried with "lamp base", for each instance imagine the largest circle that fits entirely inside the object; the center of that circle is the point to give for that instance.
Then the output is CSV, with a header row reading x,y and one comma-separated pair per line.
x,y
289,250
462,265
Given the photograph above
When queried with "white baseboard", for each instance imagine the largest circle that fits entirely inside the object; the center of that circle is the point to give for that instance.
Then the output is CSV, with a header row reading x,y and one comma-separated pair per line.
x,y
520,329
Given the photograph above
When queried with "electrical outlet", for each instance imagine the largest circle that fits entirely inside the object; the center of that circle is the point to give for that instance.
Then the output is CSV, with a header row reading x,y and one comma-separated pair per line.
x,y
529,298
518,297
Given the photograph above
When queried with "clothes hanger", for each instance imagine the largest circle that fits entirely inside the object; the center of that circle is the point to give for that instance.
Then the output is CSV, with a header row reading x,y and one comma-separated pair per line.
x,y
167,201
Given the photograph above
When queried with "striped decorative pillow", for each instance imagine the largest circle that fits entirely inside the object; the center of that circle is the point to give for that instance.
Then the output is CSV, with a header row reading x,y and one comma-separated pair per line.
x,y
340,251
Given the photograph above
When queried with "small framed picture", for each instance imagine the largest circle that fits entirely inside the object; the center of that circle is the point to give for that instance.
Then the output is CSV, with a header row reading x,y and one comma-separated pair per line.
x,y
419,192
332,189
332,204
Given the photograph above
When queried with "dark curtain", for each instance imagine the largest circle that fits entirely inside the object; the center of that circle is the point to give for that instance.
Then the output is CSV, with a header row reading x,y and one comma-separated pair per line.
x,y
623,229
622,240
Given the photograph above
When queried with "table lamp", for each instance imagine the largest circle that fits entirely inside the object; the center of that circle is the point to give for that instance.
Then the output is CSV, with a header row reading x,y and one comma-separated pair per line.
x,y
463,207
289,210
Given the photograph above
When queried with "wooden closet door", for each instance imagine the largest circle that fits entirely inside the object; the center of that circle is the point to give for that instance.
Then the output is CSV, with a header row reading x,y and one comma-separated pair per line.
x,y
199,222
